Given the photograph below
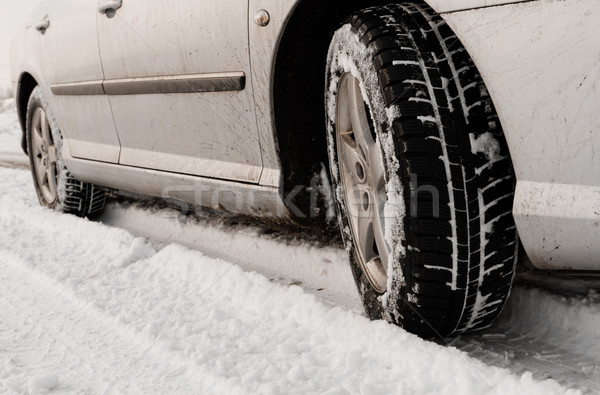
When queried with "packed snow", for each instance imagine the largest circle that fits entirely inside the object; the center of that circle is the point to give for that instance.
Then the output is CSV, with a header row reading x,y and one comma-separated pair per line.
x,y
11,154
93,308
120,306
87,307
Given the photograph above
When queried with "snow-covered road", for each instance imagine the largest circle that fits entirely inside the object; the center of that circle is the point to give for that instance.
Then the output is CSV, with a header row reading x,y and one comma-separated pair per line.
x,y
124,306
11,154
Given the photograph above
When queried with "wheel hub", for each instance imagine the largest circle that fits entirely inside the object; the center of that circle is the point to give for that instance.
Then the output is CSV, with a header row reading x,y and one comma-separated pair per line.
x,y
362,174
44,155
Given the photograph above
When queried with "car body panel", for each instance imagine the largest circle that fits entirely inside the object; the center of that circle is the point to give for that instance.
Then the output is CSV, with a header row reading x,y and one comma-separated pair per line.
x,y
541,63
263,52
442,6
559,224
86,121
184,191
211,134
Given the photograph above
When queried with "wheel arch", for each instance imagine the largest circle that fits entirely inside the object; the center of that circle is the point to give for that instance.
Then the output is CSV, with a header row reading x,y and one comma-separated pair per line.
x,y
25,87
298,90
298,95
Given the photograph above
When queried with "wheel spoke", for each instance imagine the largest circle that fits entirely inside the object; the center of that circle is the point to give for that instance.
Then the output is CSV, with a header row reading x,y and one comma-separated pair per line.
x,y
365,235
379,234
51,156
39,169
43,155
37,144
42,174
39,163
353,162
358,114
36,123
45,129
376,168
362,173
51,176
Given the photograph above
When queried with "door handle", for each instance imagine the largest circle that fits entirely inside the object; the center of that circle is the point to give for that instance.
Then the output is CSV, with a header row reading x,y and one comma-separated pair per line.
x,y
109,7
42,25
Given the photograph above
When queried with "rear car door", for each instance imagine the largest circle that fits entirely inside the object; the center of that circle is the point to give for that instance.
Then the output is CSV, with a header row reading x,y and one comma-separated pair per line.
x,y
73,71
177,74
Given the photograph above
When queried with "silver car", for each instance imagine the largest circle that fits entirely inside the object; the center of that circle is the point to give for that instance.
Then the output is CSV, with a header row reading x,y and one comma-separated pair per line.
x,y
428,132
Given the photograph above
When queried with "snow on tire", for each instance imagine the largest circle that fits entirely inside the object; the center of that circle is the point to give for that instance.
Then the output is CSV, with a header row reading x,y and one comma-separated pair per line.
x,y
433,244
54,185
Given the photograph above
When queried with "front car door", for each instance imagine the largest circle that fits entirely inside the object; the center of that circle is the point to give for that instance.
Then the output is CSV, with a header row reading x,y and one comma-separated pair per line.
x,y
177,73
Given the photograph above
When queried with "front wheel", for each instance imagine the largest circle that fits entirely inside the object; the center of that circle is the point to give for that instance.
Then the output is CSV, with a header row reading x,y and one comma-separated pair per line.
x,y
423,179
54,185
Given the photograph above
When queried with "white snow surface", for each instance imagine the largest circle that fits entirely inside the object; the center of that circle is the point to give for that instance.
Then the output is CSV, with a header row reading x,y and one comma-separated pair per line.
x,y
89,308
10,132
11,153
86,307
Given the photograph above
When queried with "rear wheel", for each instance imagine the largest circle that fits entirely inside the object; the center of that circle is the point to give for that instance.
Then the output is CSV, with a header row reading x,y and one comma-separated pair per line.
x,y
422,175
54,186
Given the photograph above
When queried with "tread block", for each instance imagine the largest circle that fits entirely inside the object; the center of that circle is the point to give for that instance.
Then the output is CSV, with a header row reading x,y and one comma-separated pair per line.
x,y
399,73
387,58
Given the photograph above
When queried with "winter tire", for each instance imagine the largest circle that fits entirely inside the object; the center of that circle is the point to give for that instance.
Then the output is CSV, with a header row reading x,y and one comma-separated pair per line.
x,y
55,187
423,179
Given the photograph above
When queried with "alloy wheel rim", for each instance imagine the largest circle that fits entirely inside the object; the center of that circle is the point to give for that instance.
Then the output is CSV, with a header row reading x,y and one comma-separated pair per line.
x,y
362,175
44,155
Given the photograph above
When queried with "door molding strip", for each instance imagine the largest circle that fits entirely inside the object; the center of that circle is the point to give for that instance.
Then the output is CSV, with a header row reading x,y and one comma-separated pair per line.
x,y
190,83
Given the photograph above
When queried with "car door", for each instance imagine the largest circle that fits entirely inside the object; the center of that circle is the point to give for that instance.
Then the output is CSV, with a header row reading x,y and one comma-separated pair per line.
x,y
73,72
177,73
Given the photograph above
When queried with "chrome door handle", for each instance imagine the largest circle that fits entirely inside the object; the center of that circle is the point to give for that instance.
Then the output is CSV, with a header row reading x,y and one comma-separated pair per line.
x,y
42,25
109,7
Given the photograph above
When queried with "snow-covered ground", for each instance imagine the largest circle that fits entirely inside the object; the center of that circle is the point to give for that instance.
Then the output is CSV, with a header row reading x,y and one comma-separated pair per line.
x,y
11,154
122,306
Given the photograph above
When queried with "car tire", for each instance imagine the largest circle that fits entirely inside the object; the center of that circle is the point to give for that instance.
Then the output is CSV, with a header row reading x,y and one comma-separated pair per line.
x,y
55,187
421,171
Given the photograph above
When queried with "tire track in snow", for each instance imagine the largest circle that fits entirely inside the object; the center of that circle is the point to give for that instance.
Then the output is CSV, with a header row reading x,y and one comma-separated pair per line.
x,y
54,337
519,350
13,160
